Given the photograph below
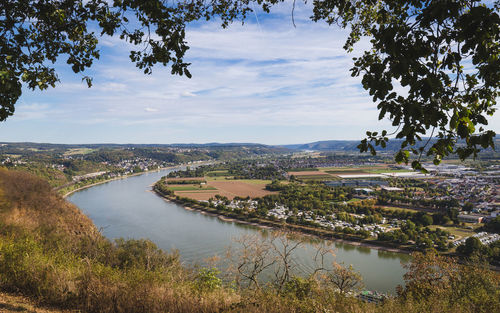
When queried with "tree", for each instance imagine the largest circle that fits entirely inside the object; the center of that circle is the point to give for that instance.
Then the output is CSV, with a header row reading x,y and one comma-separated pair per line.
x,y
443,282
433,67
344,279
494,225
471,246
468,206
34,34
415,70
274,254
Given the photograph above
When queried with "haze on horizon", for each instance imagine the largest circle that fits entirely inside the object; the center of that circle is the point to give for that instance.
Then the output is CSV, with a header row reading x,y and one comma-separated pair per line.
x,y
264,82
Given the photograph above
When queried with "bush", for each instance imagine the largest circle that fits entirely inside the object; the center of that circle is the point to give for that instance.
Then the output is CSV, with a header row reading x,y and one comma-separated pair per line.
x,y
207,279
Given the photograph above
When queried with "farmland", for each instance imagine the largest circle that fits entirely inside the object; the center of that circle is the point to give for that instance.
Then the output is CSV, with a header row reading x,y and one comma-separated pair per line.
x,y
191,188
333,173
219,186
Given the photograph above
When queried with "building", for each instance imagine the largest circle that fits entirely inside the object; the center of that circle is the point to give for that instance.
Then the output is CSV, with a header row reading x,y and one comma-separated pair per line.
x,y
387,188
470,218
363,190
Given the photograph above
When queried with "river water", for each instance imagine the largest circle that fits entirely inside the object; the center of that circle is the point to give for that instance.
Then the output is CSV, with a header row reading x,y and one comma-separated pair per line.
x,y
127,208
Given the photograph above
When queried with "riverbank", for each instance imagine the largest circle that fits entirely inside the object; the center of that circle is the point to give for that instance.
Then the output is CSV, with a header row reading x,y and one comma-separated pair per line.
x,y
102,182
120,177
303,230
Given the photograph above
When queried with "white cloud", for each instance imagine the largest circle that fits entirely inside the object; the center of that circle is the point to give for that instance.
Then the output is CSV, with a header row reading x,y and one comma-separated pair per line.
x,y
244,77
188,94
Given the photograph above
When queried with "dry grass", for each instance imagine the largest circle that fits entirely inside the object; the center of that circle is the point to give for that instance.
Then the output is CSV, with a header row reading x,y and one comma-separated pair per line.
x,y
52,253
172,180
229,189
201,195
10,302
30,203
240,188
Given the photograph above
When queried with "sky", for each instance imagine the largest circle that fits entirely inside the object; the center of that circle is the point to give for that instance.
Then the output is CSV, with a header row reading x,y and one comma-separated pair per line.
x,y
263,82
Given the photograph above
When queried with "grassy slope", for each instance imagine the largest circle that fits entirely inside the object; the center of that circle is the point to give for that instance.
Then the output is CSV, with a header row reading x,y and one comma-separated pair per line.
x,y
53,254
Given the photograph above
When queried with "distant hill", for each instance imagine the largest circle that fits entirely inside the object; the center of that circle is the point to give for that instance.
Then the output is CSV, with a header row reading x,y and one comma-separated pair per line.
x,y
23,148
46,146
351,145
337,145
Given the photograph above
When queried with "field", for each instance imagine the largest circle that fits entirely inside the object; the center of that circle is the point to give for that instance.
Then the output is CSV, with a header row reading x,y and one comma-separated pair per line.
x,y
393,208
307,173
458,232
316,177
347,172
76,151
228,188
217,173
173,180
308,169
200,195
224,178
358,168
331,173
388,170
190,188
311,175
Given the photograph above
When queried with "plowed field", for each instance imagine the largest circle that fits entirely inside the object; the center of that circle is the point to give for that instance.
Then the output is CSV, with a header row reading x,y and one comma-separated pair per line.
x,y
229,189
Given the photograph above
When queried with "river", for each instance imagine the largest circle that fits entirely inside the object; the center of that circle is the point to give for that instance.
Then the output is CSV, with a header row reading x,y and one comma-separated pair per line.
x,y
128,208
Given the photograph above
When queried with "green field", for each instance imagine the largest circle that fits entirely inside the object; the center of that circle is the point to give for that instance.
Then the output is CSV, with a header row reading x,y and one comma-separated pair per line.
x,y
315,177
210,178
190,188
341,168
387,170
346,171
456,231
354,200
303,169
392,208
217,173
78,151
255,181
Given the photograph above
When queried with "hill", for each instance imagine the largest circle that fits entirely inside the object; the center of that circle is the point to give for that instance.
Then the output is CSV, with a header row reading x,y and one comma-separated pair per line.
x,y
351,145
52,253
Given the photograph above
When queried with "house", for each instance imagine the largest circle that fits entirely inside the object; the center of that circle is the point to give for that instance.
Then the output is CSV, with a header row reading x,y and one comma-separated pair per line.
x,y
387,188
363,190
470,218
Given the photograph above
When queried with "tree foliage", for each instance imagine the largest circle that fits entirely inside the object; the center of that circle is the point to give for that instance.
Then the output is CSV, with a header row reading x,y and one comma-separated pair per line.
x,y
433,69
471,285
344,279
37,33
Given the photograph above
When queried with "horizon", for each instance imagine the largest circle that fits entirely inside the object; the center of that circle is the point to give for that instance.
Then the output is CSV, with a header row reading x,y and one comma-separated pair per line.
x,y
194,143
174,143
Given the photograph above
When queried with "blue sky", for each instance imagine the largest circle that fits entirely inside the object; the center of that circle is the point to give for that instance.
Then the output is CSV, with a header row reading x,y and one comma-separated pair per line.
x,y
264,82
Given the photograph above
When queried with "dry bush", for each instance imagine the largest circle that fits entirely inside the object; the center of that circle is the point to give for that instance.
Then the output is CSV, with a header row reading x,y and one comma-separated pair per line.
x,y
51,252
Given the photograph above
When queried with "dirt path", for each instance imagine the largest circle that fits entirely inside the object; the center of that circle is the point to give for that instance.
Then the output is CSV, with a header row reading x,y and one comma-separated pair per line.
x,y
17,303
